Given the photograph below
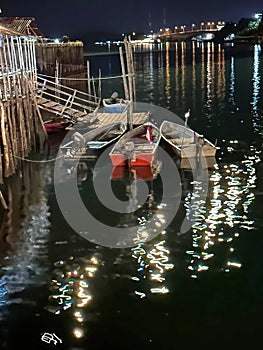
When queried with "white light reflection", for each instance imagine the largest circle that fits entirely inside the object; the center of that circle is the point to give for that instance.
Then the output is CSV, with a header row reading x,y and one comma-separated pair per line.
x,y
232,82
256,113
219,221
153,263
167,73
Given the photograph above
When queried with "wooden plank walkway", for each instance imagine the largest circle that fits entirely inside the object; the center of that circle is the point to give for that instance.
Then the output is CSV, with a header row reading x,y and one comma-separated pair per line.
x,y
64,101
59,109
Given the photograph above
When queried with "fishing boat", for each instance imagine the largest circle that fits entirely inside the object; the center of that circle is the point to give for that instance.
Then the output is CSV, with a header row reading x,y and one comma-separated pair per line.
x,y
186,142
137,147
56,124
95,139
114,104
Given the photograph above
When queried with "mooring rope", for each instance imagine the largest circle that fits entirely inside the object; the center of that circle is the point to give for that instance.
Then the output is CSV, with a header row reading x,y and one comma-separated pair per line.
x,y
39,161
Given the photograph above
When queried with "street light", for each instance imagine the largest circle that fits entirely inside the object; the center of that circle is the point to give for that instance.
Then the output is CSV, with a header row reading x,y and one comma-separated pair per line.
x,y
193,25
175,29
201,25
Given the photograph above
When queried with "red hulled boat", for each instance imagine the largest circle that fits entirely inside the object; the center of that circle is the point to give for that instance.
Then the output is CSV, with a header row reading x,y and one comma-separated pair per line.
x,y
138,147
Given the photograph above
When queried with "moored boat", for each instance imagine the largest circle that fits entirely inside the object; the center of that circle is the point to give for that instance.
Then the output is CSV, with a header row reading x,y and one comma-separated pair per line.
x,y
114,104
55,125
98,138
138,146
186,142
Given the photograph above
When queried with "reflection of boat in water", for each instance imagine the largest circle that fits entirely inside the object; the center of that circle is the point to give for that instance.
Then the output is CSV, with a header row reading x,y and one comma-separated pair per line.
x,y
198,163
146,173
139,146
186,142
94,139
114,104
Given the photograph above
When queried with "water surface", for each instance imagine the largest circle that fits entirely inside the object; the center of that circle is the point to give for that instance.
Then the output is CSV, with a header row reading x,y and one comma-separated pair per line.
x,y
200,288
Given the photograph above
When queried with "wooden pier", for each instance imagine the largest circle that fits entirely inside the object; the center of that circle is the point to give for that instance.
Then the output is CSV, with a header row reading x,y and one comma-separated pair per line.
x,y
64,101
22,128
24,93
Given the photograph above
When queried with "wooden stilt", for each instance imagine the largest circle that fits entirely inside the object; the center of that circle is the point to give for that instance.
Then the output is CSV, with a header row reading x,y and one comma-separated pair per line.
x,y
3,202
124,80
88,78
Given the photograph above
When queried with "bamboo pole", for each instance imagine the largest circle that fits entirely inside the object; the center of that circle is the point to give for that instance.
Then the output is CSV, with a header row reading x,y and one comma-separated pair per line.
x,y
99,84
14,128
132,69
56,77
1,166
11,145
6,65
3,202
20,54
4,141
22,132
37,110
15,63
4,87
11,60
35,65
124,79
128,68
94,87
88,78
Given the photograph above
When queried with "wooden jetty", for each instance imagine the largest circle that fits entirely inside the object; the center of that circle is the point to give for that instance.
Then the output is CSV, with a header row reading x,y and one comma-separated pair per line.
x,y
64,101
23,93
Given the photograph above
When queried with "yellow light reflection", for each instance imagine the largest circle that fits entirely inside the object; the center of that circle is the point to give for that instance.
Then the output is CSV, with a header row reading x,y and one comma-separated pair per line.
x,y
78,332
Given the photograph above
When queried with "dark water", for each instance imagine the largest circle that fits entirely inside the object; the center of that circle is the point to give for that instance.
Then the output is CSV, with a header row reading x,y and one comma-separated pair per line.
x,y
203,287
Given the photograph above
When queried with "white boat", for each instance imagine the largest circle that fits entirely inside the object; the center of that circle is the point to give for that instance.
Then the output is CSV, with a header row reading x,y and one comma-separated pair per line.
x,y
186,142
114,104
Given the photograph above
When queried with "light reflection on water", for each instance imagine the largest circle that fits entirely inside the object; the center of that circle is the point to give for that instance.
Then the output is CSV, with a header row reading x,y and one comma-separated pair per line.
x,y
206,79
24,236
256,111
221,219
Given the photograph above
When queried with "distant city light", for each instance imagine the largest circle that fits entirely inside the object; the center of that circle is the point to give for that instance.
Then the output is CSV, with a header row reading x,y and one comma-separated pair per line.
x,y
258,16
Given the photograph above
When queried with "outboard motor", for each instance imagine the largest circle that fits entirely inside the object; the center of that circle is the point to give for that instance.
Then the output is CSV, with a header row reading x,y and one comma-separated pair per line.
x,y
78,142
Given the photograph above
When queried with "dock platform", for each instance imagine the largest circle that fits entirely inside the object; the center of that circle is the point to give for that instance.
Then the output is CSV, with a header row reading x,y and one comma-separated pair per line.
x,y
101,119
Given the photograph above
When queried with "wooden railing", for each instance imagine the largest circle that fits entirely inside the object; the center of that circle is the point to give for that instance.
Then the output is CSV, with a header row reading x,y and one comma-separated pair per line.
x,y
66,96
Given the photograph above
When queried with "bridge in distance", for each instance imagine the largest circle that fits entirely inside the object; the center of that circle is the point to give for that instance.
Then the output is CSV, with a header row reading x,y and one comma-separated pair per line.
x,y
184,35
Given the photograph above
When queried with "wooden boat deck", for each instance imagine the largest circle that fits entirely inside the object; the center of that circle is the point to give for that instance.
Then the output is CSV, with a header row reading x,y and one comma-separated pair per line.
x,y
102,119
184,141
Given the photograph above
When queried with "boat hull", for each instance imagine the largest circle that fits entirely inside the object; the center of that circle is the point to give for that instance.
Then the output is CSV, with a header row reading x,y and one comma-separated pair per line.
x,y
145,159
56,127
185,142
117,107
135,149
93,140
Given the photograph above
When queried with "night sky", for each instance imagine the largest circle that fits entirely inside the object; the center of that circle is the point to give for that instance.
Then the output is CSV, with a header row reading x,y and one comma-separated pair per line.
x,y
75,18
